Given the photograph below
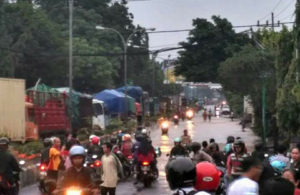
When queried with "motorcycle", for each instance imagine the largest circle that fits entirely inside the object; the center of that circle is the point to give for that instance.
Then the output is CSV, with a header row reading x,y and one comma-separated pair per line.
x,y
46,184
94,163
189,114
146,174
176,119
164,127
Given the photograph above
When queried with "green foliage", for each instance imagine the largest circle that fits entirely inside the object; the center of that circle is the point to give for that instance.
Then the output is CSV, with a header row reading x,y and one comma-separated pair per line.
x,y
209,43
245,74
235,102
35,44
28,148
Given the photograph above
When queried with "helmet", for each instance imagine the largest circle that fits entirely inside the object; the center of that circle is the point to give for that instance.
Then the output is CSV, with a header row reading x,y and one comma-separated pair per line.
x,y
180,172
177,140
195,146
207,176
144,131
4,141
278,165
230,139
239,142
91,137
47,142
77,151
95,140
126,137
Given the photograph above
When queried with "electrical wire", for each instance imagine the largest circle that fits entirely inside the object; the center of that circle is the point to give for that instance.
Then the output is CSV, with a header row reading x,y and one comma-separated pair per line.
x,y
285,8
271,10
187,30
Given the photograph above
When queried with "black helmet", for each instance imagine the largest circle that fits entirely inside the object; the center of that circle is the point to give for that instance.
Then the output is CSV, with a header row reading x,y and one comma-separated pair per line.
x,y
195,146
230,139
47,142
4,141
181,172
239,142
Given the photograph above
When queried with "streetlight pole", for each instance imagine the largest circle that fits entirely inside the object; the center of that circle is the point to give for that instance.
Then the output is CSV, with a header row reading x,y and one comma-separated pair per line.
x,y
125,45
71,3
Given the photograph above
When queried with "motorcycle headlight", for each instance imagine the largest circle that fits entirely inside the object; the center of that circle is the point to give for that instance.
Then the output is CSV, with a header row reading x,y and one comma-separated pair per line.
x,y
165,125
189,113
22,162
73,191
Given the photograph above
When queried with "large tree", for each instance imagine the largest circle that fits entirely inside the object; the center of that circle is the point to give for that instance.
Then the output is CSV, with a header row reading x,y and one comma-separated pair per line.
x,y
245,74
208,44
30,44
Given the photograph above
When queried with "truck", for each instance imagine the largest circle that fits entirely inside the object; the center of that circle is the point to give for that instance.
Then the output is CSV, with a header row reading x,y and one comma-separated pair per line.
x,y
15,121
48,111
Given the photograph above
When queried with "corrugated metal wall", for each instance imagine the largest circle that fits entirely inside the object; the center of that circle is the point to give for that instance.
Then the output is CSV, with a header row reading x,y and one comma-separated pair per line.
x,y
12,108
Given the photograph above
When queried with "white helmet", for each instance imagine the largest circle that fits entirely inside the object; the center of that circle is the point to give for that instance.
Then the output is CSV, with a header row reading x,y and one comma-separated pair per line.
x,y
144,131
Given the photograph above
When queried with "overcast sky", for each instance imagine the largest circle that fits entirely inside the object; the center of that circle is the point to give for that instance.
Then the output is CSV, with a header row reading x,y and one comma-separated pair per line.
x,y
178,14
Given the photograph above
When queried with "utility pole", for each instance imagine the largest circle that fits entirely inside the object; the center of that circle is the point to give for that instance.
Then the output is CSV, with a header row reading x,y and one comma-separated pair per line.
x,y
272,16
71,2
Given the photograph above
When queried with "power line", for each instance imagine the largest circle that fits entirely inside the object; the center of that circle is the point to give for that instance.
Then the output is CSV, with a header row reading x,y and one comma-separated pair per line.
x,y
285,8
271,10
242,26
290,16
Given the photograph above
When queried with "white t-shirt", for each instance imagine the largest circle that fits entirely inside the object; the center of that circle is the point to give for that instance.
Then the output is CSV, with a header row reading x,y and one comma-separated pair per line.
x,y
243,186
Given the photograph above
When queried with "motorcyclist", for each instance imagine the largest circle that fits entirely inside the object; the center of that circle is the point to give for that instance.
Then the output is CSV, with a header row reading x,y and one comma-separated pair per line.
x,y
178,149
9,170
181,174
146,151
78,175
234,160
45,152
186,138
94,147
213,151
228,149
198,154
126,145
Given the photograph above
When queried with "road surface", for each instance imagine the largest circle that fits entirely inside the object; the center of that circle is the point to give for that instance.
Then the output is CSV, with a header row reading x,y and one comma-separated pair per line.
x,y
218,128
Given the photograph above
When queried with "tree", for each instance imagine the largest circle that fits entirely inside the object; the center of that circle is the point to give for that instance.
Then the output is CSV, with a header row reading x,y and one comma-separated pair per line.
x,y
30,44
208,45
245,74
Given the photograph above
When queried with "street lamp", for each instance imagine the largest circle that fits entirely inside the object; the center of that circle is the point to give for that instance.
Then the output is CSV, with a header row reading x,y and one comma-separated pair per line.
x,y
125,46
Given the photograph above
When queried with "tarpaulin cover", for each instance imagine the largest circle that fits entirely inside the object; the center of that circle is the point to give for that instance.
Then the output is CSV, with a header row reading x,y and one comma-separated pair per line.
x,y
134,91
82,108
115,101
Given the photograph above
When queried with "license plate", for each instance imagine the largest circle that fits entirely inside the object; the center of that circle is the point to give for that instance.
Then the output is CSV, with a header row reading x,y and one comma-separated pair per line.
x,y
145,168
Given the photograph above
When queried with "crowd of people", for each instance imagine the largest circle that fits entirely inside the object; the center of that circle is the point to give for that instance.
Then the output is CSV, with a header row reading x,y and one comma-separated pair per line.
x,y
193,167
234,170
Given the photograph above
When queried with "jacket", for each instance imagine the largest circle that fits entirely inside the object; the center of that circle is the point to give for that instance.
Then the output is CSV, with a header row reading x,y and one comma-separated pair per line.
x,y
9,167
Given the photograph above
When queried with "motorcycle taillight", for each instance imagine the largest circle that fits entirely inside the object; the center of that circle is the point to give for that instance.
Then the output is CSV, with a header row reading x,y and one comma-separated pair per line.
x,y
43,167
129,157
97,163
145,163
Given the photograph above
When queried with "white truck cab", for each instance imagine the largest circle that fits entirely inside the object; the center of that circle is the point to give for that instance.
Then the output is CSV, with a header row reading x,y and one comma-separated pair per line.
x,y
99,114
